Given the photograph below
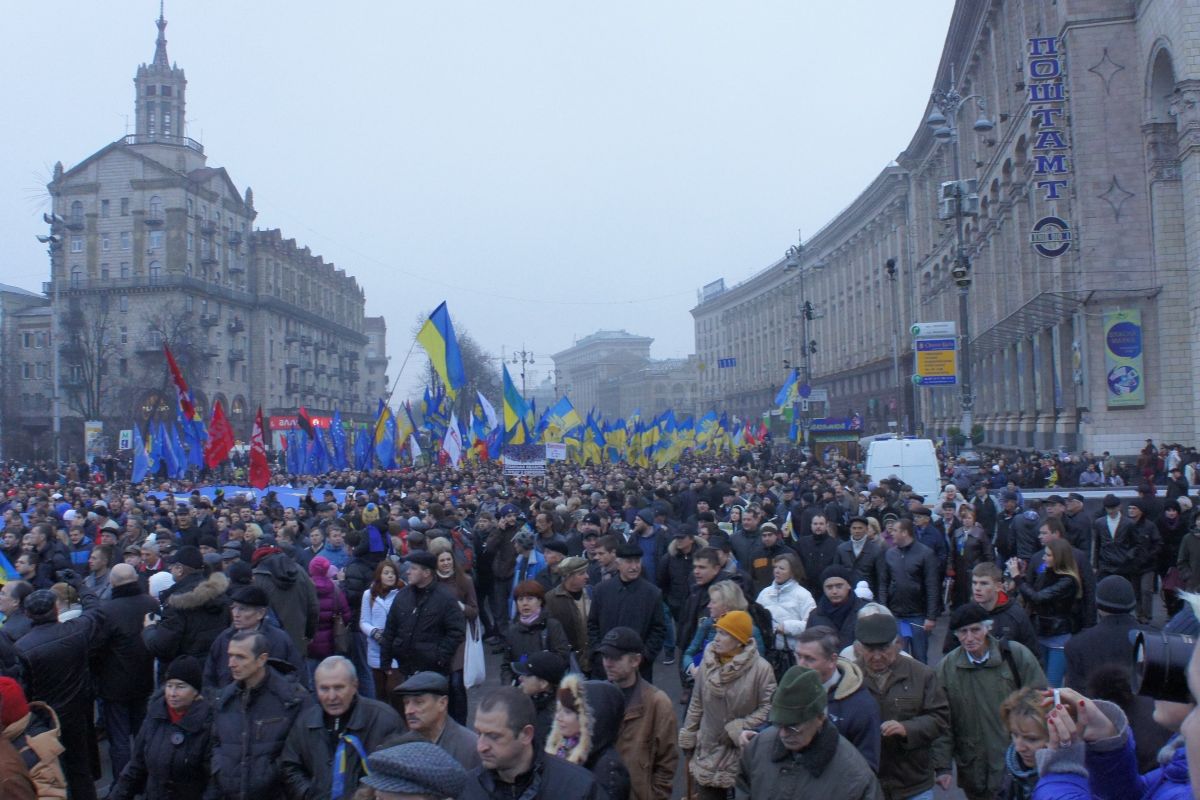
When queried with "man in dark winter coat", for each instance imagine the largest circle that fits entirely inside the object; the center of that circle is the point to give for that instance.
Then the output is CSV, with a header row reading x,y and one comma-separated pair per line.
x,y
674,577
425,625
310,762
123,667
58,676
512,767
837,606
248,611
12,595
910,584
706,570
629,601
850,705
1108,641
253,717
1009,620
290,592
194,611
817,551
862,554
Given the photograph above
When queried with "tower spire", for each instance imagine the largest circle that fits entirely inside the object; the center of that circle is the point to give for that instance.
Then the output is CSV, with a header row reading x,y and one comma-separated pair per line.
x,y
160,46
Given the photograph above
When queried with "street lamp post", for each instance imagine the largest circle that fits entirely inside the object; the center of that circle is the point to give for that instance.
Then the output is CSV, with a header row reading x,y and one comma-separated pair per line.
x,y
893,276
53,242
808,346
522,357
959,199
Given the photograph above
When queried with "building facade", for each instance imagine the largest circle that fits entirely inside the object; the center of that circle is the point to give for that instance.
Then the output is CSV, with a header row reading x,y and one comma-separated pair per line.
x,y
26,372
1082,307
589,364
151,245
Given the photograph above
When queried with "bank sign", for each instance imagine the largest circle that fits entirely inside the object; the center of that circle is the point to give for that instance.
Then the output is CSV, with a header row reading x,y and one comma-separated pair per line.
x,y
1051,236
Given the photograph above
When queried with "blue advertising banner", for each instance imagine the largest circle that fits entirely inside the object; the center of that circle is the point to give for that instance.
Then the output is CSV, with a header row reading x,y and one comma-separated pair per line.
x,y
1123,359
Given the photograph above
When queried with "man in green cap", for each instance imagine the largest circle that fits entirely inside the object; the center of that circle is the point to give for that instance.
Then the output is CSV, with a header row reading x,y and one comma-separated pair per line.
x,y
802,754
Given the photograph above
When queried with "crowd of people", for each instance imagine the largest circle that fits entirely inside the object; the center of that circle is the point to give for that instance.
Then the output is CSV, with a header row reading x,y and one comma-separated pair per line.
x,y
770,627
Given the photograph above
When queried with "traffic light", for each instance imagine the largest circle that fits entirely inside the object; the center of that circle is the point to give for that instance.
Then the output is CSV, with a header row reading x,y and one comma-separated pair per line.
x,y
808,310
812,346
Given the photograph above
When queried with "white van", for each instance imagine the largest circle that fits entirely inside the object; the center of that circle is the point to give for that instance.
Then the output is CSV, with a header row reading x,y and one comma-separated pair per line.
x,y
913,461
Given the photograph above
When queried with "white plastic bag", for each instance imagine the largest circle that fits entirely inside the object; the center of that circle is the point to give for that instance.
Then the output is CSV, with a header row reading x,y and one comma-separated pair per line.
x,y
474,666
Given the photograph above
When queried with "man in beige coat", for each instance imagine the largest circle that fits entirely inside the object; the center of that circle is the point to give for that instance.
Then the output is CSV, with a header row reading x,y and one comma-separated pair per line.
x,y
646,740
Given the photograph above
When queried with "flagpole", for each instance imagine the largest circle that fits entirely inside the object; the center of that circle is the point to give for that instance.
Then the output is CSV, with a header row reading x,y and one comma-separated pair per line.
x,y
403,364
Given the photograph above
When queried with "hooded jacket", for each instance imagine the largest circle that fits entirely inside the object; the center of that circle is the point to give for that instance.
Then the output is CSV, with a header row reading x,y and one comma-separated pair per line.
x,y
291,595
195,611
36,738
601,707
853,709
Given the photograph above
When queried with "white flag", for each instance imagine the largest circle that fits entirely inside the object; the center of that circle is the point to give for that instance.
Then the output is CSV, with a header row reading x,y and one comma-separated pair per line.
x,y
453,444
416,448
489,413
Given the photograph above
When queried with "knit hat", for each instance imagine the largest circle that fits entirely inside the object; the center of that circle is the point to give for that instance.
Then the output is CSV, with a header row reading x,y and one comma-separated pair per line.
x,y
646,515
837,571
968,614
415,768
1111,501
799,697
319,567
524,539
508,508
738,625
186,669
13,704
571,565
1114,595
370,514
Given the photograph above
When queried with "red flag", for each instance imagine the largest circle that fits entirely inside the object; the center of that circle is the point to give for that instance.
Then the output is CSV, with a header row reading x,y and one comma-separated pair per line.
x,y
260,471
220,437
181,388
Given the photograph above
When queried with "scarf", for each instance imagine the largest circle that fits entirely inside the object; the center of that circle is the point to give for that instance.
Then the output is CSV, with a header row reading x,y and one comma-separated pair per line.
x,y
1023,779
568,744
532,618
837,614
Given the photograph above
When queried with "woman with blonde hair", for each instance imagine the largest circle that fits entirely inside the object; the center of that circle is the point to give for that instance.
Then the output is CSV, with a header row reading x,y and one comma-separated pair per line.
x,y
1053,596
1023,714
723,597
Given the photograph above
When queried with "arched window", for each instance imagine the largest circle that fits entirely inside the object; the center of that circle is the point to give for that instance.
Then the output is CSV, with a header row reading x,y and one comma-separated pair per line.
x,y
155,207
1162,87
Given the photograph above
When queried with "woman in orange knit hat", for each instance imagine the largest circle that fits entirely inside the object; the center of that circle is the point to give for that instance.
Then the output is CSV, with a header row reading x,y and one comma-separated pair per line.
x,y
733,693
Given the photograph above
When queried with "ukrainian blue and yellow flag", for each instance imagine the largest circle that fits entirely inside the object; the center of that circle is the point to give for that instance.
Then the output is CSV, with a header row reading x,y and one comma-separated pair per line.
x,y
515,412
790,391
441,345
560,418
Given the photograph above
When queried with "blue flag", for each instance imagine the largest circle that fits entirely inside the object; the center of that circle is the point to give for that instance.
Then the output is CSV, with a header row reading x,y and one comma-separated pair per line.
x,y
337,435
141,459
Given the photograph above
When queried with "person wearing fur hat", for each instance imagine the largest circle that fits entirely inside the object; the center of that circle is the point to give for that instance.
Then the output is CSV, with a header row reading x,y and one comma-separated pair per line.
x,y
586,723
732,693
170,753
802,754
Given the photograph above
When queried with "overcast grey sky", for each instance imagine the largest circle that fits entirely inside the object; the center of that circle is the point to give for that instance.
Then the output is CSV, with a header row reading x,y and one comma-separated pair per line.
x,y
548,168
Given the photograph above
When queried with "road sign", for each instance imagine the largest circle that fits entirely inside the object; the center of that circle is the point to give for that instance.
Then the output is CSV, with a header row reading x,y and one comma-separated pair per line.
x,y
804,391
926,330
125,440
936,362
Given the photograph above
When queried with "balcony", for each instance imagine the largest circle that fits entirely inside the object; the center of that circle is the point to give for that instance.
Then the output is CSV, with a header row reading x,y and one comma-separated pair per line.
x,y
209,258
209,320
75,224
237,354
73,383
306,341
236,266
292,387
153,218
207,349
291,337
147,344
235,238
207,227
154,138
236,325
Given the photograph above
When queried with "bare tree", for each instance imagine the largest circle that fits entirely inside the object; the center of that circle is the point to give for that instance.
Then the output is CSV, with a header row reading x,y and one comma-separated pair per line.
x,y
88,352
481,369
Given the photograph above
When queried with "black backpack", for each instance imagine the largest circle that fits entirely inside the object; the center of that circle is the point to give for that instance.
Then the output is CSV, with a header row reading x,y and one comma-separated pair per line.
x,y
780,660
